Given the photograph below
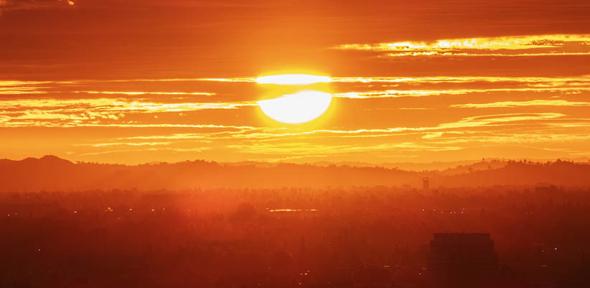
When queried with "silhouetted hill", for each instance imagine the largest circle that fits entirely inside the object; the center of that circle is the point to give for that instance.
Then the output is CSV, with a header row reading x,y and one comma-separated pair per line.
x,y
51,173
561,173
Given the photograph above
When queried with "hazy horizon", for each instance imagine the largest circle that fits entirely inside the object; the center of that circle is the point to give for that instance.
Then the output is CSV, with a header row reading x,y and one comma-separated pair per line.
x,y
408,165
294,143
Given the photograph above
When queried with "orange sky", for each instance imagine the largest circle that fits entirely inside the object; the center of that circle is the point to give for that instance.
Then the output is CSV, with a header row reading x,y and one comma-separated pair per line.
x,y
413,81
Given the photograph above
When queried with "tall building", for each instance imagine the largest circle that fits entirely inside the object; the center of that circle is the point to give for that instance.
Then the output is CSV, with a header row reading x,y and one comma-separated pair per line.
x,y
462,260
425,183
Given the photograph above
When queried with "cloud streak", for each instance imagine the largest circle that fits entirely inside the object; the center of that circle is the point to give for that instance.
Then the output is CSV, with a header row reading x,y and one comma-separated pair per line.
x,y
530,103
506,46
142,93
10,5
68,112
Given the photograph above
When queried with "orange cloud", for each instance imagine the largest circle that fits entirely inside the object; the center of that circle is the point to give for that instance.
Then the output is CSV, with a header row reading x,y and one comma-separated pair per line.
x,y
140,93
68,112
9,5
506,46
510,104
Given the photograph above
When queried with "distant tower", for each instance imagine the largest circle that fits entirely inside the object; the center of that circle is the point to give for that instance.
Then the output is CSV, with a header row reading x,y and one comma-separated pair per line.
x,y
425,183
462,260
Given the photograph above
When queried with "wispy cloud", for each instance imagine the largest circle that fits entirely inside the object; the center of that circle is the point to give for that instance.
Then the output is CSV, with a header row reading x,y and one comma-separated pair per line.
x,y
377,79
511,104
380,87
68,112
525,80
158,121
309,149
512,138
116,105
132,144
141,93
398,93
507,46
282,144
486,120
154,107
8,5
264,133
11,87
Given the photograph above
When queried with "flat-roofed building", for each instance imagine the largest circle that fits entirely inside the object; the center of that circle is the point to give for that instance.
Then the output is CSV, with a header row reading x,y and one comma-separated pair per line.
x,y
462,260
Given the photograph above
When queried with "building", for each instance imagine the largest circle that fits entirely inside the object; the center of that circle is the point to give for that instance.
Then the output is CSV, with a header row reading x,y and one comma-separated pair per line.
x,y
462,260
425,183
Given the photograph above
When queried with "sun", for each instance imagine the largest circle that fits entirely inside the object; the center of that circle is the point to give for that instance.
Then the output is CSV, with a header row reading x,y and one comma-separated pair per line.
x,y
297,108
295,98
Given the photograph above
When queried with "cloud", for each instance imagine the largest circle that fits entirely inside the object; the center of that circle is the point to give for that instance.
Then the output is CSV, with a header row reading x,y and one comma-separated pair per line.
x,y
378,79
115,105
393,93
281,144
296,150
507,118
413,86
11,87
68,112
131,144
260,134
503,138
141,93
507,46
9,5
511,104
525,80
106,105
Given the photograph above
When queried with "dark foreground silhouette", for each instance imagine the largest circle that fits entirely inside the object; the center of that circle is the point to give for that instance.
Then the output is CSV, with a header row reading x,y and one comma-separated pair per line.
x,y
535,236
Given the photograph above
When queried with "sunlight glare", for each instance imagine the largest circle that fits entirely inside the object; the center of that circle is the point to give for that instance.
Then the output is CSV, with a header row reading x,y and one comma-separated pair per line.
x,y
293,79
297,108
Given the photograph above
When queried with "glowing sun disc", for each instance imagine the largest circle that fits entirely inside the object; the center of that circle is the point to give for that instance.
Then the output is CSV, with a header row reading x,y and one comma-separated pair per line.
x,y
297,108
293,79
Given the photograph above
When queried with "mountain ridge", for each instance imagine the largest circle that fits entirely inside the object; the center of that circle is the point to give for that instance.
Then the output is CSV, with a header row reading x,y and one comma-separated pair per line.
x,y
51,173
